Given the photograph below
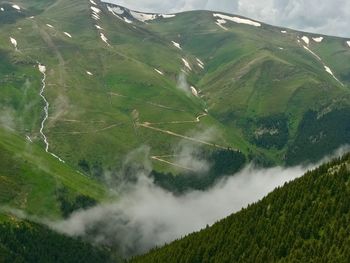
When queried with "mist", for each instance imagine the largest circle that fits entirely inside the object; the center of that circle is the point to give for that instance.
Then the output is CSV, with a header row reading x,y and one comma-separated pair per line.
x,y
188,154
182,83
145,215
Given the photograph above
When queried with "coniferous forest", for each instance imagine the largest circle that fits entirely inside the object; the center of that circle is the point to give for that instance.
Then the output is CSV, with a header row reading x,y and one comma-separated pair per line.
x,y
307,220
23,241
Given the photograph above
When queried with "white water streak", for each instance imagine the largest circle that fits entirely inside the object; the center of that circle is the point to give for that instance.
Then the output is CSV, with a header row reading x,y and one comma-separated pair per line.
x,y
42,69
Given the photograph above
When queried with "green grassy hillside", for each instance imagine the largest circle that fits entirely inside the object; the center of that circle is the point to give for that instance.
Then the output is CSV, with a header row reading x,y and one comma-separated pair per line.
x,y
106,99
35,182
84,83
112,84
304,221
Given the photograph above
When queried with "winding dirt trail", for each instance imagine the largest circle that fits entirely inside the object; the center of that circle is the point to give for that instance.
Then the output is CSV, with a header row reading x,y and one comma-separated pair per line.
x,y
145,102
159,159
94,131
148,126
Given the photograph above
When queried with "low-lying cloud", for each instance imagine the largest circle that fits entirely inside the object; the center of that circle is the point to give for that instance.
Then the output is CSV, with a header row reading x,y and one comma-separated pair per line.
x,y
146,215
182,83
189,154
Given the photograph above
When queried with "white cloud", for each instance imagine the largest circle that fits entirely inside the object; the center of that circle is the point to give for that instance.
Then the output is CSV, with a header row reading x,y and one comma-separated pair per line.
x,y
146,215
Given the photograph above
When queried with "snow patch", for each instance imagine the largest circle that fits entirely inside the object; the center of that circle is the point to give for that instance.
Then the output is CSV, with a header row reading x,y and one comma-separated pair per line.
x,y
284,32
13,42
194,91
158,71
29,139
50,26
201,66
143,17
168,16
104,38
176,44
67,34
16,7
2,9
220,23
116,10
313,53
280,48
348,42
98,27
96,17
317,39
306,40
95,9
238,20
187,65
93,2
89,73
328,70
42,68
127,20
200,63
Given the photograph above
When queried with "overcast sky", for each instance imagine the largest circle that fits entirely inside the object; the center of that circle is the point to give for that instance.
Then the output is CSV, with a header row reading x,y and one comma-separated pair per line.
x,y
330,17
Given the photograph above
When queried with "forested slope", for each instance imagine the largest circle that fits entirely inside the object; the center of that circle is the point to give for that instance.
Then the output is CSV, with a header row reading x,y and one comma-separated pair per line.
x,y
307,220
23,241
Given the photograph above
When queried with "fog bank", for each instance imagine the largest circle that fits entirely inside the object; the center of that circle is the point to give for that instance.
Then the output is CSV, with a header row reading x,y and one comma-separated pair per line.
x,y
146,215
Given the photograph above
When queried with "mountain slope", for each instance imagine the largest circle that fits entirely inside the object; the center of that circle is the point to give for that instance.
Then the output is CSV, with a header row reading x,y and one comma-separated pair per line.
x,y
304,221
117,79
35,182
23,241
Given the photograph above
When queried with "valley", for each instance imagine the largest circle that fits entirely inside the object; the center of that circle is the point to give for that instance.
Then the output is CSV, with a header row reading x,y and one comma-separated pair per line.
x,y
113,120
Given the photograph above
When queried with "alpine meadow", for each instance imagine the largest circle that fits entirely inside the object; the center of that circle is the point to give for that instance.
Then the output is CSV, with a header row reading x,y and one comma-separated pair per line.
x,y
193,136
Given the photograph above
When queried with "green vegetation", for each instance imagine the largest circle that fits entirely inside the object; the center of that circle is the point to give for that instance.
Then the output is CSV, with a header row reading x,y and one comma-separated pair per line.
x,y
222,163
318,133
257,84
23,241
268,99
307,220
34,181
